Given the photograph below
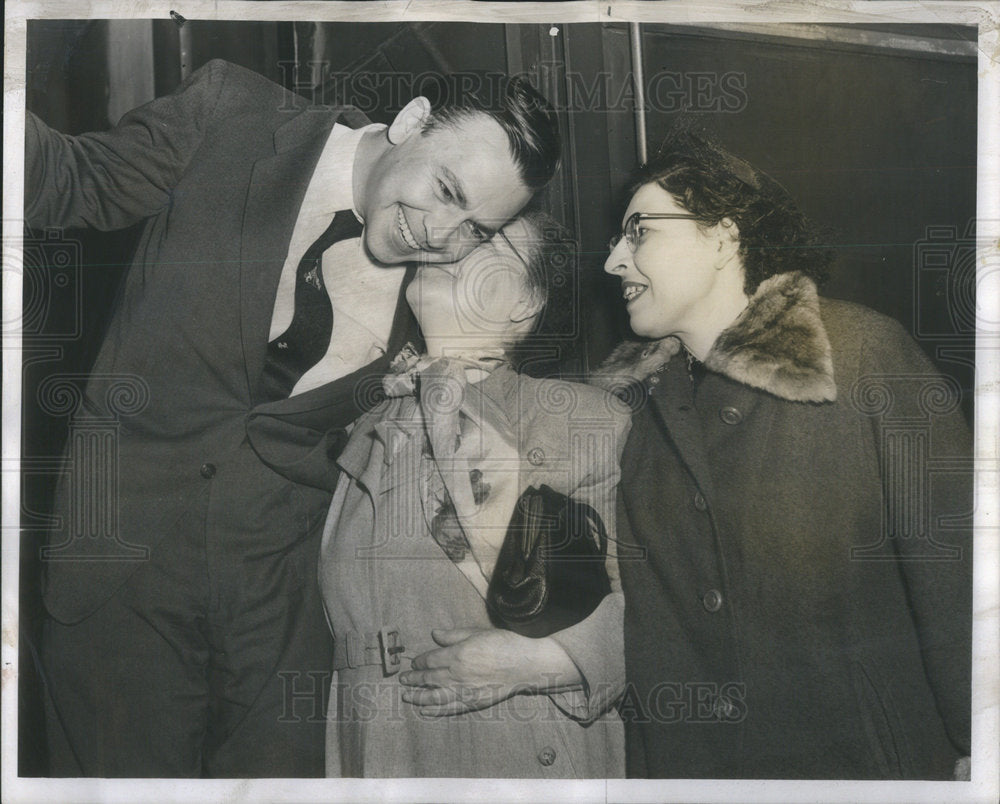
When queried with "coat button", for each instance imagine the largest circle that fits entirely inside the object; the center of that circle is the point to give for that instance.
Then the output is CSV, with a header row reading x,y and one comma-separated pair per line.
x,y
547,756
654,380
712,600
536,456
700,502
724,709
207,470
730,415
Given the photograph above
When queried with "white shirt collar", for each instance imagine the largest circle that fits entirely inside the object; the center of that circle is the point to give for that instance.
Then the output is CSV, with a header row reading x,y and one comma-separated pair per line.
x,y
333,177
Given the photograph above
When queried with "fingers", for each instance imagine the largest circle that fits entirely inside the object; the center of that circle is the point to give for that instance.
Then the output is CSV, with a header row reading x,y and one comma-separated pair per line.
x,y
432,660
454,708
428,697
421,696
445,701
430,678
447,637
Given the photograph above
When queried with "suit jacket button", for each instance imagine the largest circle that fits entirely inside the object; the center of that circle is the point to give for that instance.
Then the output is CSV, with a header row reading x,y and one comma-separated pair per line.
x,y
712,600
207,471
700,503
730,415
723,708
536,456
547,756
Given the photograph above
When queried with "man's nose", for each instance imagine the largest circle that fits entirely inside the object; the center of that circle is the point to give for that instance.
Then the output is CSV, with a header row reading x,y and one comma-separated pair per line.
x,y
443,229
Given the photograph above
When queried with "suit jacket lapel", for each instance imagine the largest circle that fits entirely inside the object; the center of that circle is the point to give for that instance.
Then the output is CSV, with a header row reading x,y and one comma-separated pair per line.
x,y
277,186
300,437
340,402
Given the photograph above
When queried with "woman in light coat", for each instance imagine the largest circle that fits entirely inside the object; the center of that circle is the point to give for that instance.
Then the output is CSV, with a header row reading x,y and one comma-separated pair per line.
x,y
424,683
798,477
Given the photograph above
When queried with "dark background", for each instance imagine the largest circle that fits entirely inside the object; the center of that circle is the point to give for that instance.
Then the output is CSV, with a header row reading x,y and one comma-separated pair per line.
x,y
872,129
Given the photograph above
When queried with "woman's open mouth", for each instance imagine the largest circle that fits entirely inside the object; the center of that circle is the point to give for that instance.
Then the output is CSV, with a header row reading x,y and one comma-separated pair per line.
x,y
632,291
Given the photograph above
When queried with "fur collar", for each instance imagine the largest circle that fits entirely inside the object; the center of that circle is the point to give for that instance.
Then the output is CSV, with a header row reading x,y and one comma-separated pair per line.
x,y
778,344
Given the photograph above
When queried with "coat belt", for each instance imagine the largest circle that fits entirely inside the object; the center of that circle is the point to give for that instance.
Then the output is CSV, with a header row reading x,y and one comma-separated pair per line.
x,y
359,649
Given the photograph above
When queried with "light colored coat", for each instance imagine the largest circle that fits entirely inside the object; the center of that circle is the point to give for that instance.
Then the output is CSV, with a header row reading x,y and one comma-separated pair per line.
x,y
380,568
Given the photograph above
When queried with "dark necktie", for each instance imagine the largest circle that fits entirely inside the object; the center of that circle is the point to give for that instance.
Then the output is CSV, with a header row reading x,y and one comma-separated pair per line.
x,y
303,344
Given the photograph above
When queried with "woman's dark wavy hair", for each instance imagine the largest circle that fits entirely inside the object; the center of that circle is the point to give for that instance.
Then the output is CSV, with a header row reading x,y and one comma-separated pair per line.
x,y
711,183
551,276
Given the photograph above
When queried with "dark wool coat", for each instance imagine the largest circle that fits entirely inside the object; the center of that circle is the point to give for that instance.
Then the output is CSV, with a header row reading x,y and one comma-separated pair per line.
x,y
196,452
798,602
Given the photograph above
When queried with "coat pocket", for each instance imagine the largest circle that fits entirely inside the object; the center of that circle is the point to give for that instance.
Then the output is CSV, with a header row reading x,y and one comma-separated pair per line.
x,y
880,722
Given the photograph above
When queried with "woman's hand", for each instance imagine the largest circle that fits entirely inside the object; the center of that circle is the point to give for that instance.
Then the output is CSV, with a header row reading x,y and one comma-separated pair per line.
x,y
476,668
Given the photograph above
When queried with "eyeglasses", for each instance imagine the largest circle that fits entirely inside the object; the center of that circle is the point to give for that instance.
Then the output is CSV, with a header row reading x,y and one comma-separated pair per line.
x,y
517,253
630,231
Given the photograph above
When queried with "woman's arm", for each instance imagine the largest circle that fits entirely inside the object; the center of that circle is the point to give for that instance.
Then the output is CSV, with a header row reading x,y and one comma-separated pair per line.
x,y
937,564
582,667
477,668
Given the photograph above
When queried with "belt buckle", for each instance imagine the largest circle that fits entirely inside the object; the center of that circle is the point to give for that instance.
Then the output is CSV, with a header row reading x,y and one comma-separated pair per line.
x,y
391,647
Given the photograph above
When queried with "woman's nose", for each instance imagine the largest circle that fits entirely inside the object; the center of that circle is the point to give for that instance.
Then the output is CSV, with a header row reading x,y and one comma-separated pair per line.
x,y
617,261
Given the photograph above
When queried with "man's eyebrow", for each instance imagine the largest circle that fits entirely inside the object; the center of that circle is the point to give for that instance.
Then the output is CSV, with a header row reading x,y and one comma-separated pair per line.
x,y
463,202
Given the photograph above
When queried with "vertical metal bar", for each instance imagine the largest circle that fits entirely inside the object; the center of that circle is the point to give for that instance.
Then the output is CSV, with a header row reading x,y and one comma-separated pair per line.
x,y
639,88
570,165
184,40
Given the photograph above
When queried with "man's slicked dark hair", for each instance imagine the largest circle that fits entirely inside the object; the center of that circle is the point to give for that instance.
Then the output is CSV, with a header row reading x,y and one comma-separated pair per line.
x,y
712,184
521,111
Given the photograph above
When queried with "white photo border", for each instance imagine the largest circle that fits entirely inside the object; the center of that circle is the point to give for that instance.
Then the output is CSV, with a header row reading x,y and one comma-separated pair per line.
x,y
986,631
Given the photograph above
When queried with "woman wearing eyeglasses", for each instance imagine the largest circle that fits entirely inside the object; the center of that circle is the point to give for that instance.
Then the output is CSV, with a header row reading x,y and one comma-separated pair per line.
x,y
797,482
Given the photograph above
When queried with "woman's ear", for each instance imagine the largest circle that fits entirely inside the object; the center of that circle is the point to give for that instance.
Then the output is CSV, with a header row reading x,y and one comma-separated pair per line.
x,y
526,308
728,234
729,229
410,119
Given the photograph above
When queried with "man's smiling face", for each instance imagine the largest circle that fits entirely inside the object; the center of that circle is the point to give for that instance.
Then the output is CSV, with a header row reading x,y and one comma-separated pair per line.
x,y
434,196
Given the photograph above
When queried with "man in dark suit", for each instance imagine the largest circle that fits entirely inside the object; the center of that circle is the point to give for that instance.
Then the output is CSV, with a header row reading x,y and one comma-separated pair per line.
x,y
186,635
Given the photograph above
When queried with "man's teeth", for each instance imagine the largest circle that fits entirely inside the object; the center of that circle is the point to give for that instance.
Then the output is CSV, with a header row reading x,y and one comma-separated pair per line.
x,y
404,230
632,291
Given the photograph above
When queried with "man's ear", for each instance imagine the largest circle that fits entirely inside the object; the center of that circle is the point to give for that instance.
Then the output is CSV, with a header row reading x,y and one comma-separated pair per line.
x,y
409,120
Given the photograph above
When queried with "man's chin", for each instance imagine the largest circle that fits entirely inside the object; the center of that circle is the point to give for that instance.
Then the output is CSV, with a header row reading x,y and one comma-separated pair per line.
x,y
386,254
